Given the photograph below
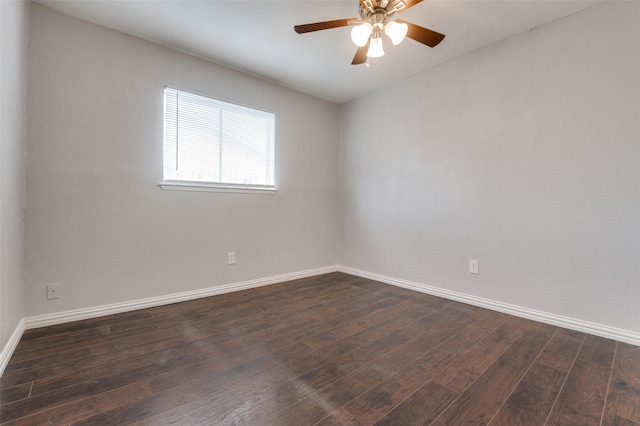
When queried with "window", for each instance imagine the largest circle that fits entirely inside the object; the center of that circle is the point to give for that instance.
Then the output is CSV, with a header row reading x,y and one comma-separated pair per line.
x,y
209,144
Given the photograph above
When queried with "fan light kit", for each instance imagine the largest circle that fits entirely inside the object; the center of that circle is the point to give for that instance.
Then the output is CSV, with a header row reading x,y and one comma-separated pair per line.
x,y
375,21
372,26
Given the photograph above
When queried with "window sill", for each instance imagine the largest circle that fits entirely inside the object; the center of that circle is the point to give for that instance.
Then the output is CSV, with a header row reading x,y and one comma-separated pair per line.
x,y
202,187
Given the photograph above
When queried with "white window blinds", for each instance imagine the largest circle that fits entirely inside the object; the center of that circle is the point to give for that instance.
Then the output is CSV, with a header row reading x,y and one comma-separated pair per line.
x,y
212,142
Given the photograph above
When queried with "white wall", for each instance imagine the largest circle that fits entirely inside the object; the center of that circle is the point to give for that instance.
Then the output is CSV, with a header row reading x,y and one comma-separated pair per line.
x,y
524,155
98,224
13,54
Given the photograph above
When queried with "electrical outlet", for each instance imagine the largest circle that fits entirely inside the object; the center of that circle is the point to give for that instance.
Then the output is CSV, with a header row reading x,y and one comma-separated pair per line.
x,y
474,267
53,291
231,258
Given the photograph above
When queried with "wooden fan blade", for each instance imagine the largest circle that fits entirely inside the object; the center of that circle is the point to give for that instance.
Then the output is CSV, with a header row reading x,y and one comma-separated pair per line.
x,y
317,26
422,35
361,55
400,5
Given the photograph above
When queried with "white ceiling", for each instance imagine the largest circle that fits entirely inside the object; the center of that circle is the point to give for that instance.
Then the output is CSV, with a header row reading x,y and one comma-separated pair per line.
x,y
258,37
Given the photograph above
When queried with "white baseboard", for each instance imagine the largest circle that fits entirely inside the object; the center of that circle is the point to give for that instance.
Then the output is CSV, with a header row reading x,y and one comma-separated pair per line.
x,y
10,347
507,308
116,308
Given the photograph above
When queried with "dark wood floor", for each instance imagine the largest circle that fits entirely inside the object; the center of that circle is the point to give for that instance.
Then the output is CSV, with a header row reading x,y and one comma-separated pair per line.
x,y
328,350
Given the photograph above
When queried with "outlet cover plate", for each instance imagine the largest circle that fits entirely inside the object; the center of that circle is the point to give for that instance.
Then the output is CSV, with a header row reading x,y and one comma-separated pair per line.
x,y
474,266
53,291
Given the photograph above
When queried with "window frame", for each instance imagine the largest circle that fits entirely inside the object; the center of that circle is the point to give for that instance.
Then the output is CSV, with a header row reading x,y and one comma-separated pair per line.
x,y
203,186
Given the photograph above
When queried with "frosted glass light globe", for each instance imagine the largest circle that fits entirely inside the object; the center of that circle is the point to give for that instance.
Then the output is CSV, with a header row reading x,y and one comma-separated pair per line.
x,y
396,31
375,48
360,34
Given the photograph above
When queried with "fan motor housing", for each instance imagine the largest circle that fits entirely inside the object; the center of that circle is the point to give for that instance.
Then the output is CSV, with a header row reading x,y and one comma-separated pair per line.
x,y
375,14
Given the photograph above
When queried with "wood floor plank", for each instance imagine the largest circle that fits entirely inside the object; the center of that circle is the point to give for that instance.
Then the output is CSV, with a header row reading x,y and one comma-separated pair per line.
x,y
327,350
194,383
15,393
481,401
310,406
88,365
105,368
591,373
84,407
239,400
47,360
383,397
621,421
299,391
40,347
531,401
328,372
44,402
597,350
379,313
334,368
439,330
342,391
421,408
62,330
309,410
379,400
339,417
11,379
538,330
358,311
582,397
562,349
623,400
465,370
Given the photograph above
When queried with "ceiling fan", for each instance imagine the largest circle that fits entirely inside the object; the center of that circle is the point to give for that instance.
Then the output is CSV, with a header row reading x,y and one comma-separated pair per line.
x,y
375,20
